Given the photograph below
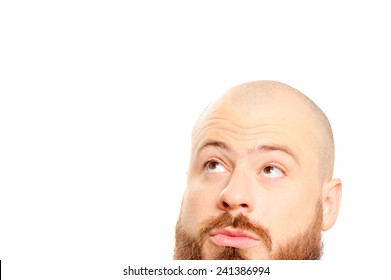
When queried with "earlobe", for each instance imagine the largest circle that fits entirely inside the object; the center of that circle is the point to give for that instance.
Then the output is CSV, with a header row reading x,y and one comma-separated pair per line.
x,y
331,198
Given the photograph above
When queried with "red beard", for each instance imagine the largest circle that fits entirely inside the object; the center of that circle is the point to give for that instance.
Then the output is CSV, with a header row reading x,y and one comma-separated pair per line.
x,y
304,246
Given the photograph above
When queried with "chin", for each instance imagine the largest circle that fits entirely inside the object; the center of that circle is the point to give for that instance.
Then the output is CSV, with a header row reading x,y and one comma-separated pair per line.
x,y
212,252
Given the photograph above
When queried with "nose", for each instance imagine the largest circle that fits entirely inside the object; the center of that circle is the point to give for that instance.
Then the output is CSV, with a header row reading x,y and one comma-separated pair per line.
x,y
237,197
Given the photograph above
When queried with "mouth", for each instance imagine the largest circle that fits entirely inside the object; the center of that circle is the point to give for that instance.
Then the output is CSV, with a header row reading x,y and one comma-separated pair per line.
x,y
231,237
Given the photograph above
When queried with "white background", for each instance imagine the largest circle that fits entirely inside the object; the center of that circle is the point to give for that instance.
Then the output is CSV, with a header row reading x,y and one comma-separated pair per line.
x,y
97,103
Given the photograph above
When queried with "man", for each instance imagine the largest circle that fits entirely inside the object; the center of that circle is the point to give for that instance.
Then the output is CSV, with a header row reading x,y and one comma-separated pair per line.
x,y
260,178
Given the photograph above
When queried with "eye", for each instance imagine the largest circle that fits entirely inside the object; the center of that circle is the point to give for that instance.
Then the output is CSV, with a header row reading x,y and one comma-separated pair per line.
x,y
214,167
272,171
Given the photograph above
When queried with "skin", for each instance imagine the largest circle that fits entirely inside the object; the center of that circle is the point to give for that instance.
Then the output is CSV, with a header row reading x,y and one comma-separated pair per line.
x,y
263,150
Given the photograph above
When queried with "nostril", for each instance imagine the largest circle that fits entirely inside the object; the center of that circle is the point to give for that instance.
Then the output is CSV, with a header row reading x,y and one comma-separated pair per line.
x,y
226,205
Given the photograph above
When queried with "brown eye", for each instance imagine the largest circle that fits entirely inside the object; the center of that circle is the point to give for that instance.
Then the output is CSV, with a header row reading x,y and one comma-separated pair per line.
x,y
268,169
271,171
214,167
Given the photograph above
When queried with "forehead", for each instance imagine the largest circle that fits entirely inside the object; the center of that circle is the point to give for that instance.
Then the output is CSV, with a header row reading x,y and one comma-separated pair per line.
x,y
245,126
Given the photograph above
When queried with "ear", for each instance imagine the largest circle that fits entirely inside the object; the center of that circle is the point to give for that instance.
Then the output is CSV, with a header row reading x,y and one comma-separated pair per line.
x,y
331,198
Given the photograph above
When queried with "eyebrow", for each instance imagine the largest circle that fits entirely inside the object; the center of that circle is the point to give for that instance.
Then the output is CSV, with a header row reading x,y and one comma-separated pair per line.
x,y
261,148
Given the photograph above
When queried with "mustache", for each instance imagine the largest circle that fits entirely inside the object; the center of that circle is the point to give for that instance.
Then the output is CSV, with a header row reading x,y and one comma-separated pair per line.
x,y
238,222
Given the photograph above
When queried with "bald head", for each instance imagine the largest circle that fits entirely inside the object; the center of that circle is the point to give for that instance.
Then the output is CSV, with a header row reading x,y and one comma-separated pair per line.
x,y
262,153
271,103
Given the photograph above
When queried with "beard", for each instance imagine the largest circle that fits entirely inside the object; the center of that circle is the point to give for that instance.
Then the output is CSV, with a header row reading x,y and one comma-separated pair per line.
x,y
306,245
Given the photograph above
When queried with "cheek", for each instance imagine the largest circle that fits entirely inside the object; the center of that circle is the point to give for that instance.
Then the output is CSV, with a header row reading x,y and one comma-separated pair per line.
x,y
289,212
199,203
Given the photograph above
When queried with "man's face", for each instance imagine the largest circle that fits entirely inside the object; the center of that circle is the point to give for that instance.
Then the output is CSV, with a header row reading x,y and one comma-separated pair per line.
x,y
253,187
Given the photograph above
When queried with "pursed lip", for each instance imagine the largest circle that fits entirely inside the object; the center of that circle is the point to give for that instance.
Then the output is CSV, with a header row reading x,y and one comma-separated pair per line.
x,y
231,237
